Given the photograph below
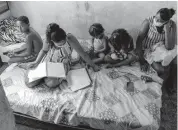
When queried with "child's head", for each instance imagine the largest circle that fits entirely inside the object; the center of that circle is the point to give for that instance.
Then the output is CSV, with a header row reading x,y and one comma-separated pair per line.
x,y
120,39
96,30
23,24
55,34
163,16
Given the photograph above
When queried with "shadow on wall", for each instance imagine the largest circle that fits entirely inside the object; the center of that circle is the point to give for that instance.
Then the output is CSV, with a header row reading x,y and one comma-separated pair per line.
x,y
76,16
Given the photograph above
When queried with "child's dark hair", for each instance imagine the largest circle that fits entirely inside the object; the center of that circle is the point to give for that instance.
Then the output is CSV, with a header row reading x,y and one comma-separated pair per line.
x,y
52,27
121,38
54,33
96,29
166,14
23,19
58,35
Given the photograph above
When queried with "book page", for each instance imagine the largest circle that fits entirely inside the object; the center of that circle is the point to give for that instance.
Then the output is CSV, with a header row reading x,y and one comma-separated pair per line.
x,y
37,73
56,70
78,79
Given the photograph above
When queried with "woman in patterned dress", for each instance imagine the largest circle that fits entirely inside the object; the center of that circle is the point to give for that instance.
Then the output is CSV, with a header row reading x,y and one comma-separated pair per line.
x,y
58,48
156,29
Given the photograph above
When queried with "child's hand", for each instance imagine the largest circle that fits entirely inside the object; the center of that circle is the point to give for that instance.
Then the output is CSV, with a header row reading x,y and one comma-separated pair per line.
x,y
31,65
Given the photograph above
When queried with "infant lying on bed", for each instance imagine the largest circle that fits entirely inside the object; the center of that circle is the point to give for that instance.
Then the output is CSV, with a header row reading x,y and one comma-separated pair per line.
x,y
33,44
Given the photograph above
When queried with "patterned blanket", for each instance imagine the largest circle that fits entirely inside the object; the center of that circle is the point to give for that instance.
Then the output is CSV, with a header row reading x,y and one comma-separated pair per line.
x,y
9,33
109,103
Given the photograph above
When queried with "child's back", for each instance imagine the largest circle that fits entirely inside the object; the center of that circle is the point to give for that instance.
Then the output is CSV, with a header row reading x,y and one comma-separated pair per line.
x,y
37,42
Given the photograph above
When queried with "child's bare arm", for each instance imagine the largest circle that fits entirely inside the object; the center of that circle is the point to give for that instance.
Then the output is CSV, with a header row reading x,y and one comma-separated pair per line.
x,y
111,47
28,51
105,42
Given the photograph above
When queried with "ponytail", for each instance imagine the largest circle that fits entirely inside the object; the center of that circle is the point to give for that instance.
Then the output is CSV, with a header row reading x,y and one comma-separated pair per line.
x,y
52,27
171,12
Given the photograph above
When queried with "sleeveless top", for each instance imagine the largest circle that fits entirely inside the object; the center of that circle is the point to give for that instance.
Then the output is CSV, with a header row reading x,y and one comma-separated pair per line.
x,y
7,120
98,44
153,36
58,54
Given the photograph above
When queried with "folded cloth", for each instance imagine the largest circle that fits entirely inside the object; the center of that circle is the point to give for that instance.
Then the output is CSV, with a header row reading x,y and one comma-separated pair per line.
x,y
158,53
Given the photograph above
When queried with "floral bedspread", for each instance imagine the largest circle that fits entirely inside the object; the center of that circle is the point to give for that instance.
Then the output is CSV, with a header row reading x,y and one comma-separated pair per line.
x,y
107,104
9,33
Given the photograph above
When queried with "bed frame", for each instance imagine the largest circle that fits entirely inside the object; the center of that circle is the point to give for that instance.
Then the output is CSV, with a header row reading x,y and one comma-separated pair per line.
x,y
33,122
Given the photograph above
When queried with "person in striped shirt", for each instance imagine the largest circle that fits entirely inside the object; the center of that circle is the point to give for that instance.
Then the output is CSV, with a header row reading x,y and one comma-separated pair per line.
x,y
158,33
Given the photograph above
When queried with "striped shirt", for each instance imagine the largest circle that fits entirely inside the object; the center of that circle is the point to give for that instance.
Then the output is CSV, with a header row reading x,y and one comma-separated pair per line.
x,y
153,36
59,54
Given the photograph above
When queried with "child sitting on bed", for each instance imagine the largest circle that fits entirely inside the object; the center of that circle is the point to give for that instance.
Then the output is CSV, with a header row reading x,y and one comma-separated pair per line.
x,y
33,44
99,43
122,52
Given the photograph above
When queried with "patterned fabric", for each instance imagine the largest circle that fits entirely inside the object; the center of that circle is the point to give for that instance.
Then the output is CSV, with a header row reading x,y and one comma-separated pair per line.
x,y
9,33
153,35
107,104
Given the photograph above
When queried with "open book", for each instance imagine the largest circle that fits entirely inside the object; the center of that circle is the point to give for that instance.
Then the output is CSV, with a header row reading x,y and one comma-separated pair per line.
x,y
47,69
78,79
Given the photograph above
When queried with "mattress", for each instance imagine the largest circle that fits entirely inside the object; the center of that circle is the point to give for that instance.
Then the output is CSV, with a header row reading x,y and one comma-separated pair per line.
x,y
107,104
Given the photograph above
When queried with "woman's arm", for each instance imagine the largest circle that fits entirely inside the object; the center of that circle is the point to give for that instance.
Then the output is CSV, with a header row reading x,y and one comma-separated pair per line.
x,y
40,56
42,53
76,45
111,47
142,34
170,35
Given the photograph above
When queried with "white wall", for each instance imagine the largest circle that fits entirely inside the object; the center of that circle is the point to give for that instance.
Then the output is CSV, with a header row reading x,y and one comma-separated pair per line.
x,y
5,15
76,17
